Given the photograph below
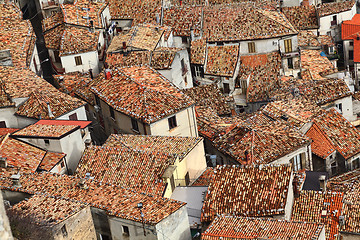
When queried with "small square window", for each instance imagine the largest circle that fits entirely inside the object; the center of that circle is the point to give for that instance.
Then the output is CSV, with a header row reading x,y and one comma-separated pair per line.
x,y
78,60
126,231
46,141
73,117
134,125
172,122
64,232
351,43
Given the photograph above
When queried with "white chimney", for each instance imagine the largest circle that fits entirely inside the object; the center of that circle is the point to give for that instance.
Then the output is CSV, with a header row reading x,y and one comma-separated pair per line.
x,y
51,115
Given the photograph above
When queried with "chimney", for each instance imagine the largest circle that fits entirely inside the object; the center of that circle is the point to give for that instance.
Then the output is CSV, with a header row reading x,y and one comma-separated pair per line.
x,y
322,182
124,45
82,184
15,180
51,115
3,162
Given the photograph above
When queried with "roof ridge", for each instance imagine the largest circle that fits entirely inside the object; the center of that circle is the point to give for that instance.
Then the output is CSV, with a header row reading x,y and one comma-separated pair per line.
x,y
269,16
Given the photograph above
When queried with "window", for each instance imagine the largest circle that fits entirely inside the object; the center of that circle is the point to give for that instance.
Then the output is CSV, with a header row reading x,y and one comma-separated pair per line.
x,y
290,63
351,43
2,124
355,163
184,40
172,182
73,117
288,45
62,164
339,106
134,125
63,231
334,21
172,122
187,179
78,60
226,88
333,168
126,230
46,141
351,55
297,162
251,47
112,113
186,81
199,71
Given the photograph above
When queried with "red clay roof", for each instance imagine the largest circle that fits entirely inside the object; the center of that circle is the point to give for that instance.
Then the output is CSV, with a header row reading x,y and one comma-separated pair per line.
x,y
4,131
50,160
350,28
247,191
81,124
46,131
205,178
230,228
310,204
320,145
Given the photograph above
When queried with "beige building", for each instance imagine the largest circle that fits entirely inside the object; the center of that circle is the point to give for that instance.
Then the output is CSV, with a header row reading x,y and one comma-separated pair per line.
x,y
139,100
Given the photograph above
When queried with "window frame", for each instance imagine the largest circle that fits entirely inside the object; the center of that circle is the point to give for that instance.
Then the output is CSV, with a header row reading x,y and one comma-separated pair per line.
x,y
251,47
288,45
78,61
112,112
172,122
134,125
297,165
73,117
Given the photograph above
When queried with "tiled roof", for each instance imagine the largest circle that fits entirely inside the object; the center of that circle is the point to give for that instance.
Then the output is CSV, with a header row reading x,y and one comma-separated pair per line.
x,y
244,22
351,210
183,19
140,11
301,17
20,154
81,12
46,210
22,82
140,37
340,132
53,20
170,145
230,191
45,131
310,205
15,33
263,71
162,58
230,227
205,178
209,96
82,124
132,58
78,40
50,160
124,166
308,39
317,65
115,200
266,145
351,28
326,40
77,84
37,105
320,145
4,131
198,51
344,182
335,7
142,93
221,60
53,37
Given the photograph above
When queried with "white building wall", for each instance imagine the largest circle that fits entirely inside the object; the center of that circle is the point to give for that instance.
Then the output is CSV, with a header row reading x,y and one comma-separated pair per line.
x,y
53,146
306,153
186,125
73,146
7,115
89,61
291,3
196,161
289,199
174,227
106,17
136,230
24,121
174,74
261,46
80,113
35,57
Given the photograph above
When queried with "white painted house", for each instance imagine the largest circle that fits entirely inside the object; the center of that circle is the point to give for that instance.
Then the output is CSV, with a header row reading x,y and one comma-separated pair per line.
x,y
139,100
64,136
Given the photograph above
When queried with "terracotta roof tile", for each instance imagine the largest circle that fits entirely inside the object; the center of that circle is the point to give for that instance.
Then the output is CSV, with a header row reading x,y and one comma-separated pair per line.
x,y
205,178
5,100
230,227
320,145
50,160
20,154
53,37
335,7
46,210
81,12
38,104
308,39
340,132
15,33
244,22
326,40
221,60
311,205
162,58
301,17
317,65
132,58
78,85
209,96
263,71
198,51
55,19
183,19
141,11
170,145
4,131
140,37
142,93
45,131
115,200
344,182
230,192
